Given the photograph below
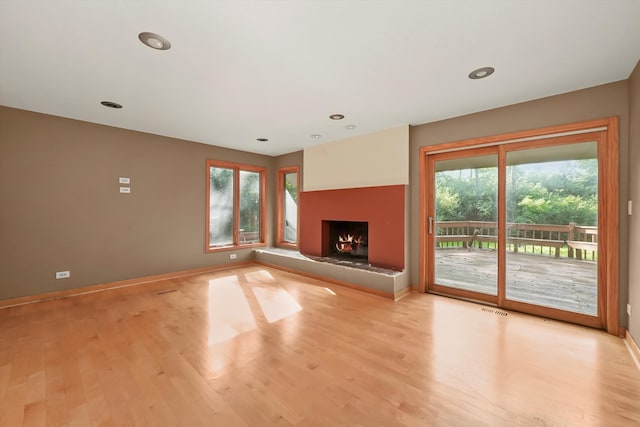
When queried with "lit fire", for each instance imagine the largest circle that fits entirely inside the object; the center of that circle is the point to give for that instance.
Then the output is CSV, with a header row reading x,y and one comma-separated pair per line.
x,y
347,242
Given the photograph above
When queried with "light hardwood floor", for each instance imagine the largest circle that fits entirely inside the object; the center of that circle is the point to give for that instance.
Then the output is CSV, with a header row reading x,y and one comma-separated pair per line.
x,y
257,346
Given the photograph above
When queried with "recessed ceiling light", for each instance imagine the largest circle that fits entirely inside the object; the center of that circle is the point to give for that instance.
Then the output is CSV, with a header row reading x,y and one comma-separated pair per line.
x,y
316,136
350,127
154,41
336,116
262,139
111,104
481,73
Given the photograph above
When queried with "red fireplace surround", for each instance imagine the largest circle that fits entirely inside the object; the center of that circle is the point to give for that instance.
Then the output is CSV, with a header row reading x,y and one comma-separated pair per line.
x,y
381,207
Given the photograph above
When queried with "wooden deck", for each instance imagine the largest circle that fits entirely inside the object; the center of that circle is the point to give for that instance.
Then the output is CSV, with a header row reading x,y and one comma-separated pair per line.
x,y
566,284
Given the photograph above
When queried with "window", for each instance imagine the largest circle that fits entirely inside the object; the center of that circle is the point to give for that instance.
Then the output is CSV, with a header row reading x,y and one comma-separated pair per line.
x,y
235,205
288,186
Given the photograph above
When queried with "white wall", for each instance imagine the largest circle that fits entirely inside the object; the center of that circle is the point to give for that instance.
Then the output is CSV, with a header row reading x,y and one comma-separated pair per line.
x,y
376,159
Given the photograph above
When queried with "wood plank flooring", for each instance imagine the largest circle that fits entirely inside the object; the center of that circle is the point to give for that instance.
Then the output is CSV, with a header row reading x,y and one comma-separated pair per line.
x,y
255,346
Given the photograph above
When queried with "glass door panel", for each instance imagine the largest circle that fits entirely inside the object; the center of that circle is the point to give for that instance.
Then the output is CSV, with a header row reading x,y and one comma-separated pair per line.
x,y
465,223
552,227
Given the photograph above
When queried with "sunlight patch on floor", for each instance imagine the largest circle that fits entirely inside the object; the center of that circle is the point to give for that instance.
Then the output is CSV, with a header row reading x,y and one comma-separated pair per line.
x,y
276,303
229,311
260,276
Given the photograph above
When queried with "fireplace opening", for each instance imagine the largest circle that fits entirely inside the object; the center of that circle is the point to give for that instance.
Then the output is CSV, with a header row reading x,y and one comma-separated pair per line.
x,y
346,240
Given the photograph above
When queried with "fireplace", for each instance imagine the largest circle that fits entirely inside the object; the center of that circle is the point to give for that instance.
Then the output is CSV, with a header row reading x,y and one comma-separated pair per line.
x,y
376,214
346,240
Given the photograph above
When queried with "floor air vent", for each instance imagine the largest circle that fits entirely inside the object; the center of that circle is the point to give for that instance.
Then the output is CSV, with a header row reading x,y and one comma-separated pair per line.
x,y
497,312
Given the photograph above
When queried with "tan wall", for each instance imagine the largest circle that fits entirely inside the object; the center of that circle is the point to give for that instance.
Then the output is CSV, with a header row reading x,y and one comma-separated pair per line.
x,y
593,103
61,208
376,159
634,194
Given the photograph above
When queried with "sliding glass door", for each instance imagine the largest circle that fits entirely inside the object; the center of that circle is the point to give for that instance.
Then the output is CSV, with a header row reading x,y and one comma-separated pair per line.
x,y
517,225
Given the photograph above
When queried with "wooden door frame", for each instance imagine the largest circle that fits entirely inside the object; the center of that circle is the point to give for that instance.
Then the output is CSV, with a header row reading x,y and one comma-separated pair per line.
x,y
608,211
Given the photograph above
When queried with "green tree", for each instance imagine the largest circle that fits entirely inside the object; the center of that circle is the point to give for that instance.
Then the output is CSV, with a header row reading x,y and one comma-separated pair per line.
x,y
542,193
554,192
220,177
447,205
469,195
292,189
249,201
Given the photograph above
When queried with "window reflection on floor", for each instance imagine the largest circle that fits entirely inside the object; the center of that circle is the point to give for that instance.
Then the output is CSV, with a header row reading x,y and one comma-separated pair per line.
x,y
229,311
276,303
260,276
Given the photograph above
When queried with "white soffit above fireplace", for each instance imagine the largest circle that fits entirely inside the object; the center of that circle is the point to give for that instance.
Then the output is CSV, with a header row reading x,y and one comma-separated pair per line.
x,y
372,160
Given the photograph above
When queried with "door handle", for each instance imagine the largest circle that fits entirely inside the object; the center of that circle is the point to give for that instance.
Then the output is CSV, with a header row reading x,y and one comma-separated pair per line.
x,y
430,225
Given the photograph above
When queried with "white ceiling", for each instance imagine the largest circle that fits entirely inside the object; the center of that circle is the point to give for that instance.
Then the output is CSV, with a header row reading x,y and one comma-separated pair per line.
x,y
244,69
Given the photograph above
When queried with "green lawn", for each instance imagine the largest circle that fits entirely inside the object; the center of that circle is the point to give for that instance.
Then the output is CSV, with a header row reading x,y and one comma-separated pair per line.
x,y
526,249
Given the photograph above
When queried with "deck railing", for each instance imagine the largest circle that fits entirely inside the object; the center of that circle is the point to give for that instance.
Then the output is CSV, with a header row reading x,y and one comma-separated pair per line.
x,y
581,242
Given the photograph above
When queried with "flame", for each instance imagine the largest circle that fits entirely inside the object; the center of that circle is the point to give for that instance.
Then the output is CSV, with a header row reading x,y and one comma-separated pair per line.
x,y
345,238
346,241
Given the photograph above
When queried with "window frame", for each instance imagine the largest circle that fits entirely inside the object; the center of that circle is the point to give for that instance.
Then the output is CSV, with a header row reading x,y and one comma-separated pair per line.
x,y
281,213
236,167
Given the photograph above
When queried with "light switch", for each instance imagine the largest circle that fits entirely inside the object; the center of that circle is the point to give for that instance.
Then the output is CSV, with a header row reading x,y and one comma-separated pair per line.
x,y
126,190
124,180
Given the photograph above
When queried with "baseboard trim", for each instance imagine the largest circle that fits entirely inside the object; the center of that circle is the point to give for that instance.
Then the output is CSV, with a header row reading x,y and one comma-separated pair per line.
x,y
67,293
329,280
634,350
397,296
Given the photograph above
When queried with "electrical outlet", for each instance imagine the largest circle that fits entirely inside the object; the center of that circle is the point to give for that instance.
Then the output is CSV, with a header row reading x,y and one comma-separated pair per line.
x,y
63,274
629,309
233,256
